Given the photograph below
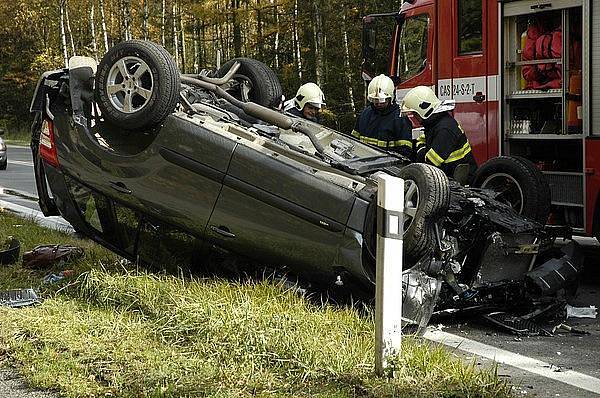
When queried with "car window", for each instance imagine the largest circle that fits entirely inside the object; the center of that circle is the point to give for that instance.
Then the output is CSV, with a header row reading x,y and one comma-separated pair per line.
x,y
87,203
378,34
115,223
470,38
127,222
165,247
412,51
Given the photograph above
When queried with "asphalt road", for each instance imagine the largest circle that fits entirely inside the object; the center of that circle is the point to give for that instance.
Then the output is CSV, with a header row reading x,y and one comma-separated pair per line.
x,y
563,351
17,181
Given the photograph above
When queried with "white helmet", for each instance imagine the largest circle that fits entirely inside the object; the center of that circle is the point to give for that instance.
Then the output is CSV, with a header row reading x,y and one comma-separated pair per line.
x,y
380,89
309,93
422,100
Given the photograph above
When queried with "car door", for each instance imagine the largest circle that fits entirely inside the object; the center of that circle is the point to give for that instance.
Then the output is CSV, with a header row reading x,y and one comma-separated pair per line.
x,y
275,209
102,219
174,173
462,68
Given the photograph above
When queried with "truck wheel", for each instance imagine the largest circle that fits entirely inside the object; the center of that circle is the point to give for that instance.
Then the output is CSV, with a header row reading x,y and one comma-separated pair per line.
x,y
254,81
426,197
137,84
517,182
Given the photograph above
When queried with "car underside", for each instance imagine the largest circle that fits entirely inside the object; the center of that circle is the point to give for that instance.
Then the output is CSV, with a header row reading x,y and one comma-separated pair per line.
x,y
136,154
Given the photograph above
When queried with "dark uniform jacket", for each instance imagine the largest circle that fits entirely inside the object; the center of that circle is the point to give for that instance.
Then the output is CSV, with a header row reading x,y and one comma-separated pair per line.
x,y
385,129
445,145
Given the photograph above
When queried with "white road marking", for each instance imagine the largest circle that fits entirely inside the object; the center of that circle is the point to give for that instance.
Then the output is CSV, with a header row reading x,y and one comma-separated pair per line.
x,y
531,365
20,162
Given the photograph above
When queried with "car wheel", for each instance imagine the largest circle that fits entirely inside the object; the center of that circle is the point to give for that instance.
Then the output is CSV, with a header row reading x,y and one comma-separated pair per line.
x,y
426,197
137,84
517,182
3,165
253,81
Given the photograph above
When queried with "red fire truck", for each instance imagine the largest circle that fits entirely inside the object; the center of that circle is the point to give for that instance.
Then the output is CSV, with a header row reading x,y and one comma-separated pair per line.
x,y
525,76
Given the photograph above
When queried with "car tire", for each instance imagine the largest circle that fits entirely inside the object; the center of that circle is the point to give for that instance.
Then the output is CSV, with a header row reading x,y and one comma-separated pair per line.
x,y
426,198
253,81
137,84
519,183
3,165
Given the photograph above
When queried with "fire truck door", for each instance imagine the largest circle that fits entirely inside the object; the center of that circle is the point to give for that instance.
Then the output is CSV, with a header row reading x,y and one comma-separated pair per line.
x,y
463,67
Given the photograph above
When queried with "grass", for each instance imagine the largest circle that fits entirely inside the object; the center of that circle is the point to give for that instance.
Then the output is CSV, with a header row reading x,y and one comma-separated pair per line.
x,y
115,330
17,137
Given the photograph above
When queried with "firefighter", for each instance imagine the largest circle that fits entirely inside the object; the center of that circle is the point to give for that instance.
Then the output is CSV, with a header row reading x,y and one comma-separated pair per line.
x,y
443,142
307,103
381,123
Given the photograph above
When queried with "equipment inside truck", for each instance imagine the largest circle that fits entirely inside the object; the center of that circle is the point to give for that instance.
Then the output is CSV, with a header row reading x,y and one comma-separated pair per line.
x,y
543,114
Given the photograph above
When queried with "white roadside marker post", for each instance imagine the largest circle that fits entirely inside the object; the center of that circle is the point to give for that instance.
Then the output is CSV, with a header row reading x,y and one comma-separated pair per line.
x,y
388,289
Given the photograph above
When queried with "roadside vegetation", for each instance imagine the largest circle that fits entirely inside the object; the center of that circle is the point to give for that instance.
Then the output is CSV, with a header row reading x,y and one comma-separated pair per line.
x,y
114,329
20,136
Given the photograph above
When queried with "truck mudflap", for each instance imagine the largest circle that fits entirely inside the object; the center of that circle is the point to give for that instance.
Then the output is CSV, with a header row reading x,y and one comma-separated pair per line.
x,y
47,204
556,273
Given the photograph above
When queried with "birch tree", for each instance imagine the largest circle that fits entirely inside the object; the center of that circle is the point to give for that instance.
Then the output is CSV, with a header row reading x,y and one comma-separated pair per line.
x,y
318,42
93,31
347,70
163,12
126,14
297,53
175,39
63,36
103,19
69,31
276,44
145,19
182,30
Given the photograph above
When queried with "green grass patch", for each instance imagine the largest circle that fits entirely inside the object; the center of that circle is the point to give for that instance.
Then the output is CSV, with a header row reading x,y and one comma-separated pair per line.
x,y
17,137
114,330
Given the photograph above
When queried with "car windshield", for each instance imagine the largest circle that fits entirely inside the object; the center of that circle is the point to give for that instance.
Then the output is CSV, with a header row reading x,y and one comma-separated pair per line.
x,y
412,47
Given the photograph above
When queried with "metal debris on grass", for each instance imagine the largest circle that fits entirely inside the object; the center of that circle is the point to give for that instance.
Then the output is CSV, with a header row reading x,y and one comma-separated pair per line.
x,y
19,298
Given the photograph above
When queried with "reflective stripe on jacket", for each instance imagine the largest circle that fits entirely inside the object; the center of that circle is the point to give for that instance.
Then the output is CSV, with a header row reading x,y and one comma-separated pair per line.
x,y
385,129
444,144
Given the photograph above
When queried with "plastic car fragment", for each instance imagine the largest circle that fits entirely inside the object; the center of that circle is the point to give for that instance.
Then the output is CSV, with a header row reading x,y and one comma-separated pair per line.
x,y
554,274
582,312
11,254
420,295
19,298
516,325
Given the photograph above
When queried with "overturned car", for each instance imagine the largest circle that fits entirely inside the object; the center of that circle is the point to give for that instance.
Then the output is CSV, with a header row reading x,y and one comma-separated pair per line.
x,y
162,167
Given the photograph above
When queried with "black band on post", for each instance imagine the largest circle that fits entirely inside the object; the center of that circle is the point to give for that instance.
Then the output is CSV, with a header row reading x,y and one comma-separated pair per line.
x,y
385,223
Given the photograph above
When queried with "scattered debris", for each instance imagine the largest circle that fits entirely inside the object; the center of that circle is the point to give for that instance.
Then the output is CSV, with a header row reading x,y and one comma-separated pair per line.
x,y
19,298
555,273
581,312
568,328
10,255
516,325
53,278
46,255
